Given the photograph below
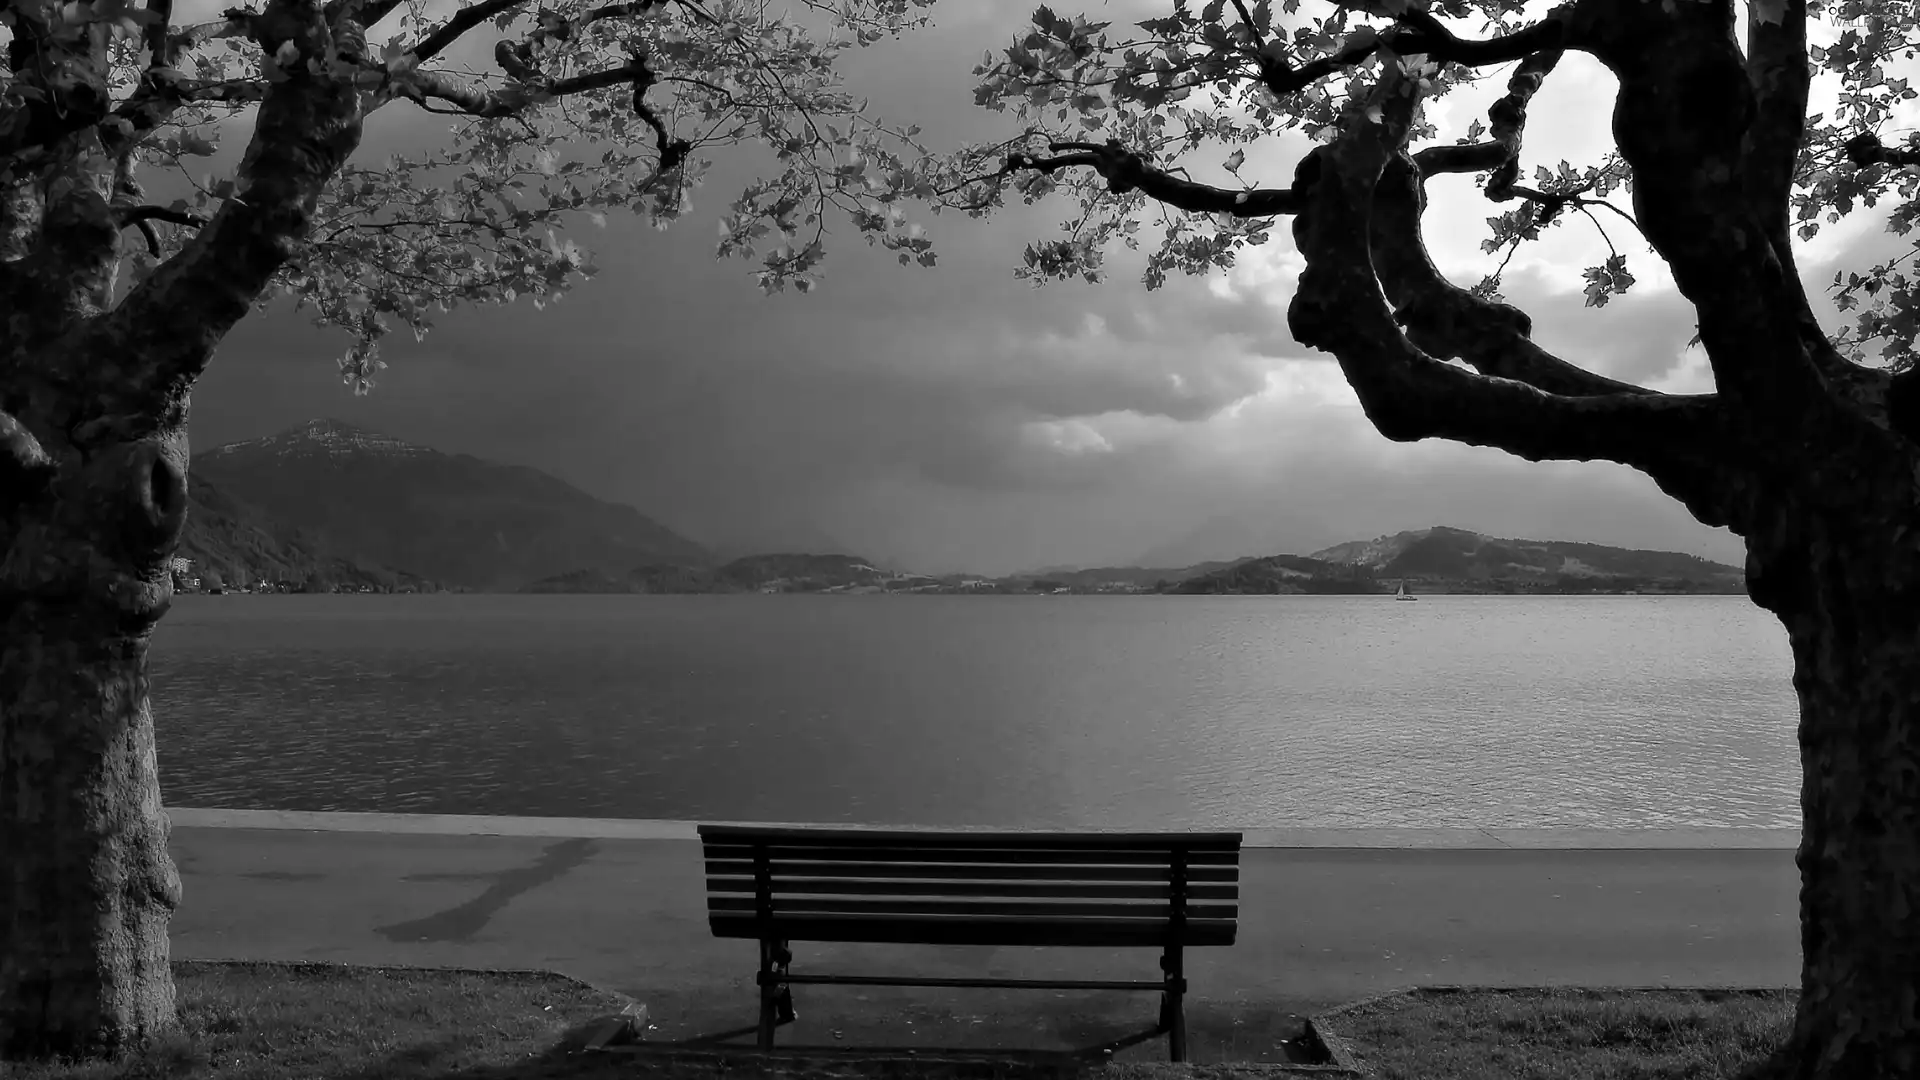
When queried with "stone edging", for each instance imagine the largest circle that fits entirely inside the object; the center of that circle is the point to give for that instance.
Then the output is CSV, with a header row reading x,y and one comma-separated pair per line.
x,y
1438,839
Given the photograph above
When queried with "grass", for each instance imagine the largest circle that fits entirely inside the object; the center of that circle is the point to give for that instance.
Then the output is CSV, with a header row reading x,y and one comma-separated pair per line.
x,y
326,1021
265,1021
331,1022
1567,1034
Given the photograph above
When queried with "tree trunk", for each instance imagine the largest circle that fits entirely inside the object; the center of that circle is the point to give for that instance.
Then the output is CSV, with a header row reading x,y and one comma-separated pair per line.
x,y
1855,634
86,883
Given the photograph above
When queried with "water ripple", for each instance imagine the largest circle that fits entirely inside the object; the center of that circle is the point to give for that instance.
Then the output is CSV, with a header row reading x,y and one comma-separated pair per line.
x,y
1093,711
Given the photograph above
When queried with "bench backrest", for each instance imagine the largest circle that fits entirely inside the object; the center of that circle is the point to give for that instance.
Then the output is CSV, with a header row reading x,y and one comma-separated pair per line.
x,y
972,887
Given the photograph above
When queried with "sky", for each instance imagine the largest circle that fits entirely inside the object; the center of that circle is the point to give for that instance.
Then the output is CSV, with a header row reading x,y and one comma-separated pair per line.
x,y
957,418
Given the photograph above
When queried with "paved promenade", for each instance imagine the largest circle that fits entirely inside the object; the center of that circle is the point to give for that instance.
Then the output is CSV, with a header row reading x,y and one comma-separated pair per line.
x,y
1326,916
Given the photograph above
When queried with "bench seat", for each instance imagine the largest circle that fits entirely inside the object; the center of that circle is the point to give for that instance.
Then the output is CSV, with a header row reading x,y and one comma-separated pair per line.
x,y
781,885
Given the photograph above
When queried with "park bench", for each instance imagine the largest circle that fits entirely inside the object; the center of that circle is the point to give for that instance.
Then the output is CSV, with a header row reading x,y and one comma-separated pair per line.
x,y
781,885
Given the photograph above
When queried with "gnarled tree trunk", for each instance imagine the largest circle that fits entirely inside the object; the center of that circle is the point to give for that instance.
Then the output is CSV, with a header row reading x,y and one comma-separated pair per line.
x,y
86,884
94,383
1855,634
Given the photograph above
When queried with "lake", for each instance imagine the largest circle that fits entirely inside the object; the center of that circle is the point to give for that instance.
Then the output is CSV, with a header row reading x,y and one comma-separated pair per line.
x,y
1083,711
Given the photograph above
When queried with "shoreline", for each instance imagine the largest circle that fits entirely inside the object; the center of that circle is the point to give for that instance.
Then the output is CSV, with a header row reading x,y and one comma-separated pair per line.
x,y
1439,838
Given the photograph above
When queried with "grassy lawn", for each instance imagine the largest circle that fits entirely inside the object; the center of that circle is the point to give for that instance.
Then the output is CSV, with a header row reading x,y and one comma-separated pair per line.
x,y
299,1020
1567,1034
326,1022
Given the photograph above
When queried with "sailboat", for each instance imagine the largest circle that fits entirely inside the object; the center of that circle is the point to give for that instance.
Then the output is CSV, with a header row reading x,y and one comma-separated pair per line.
x,y
1402,593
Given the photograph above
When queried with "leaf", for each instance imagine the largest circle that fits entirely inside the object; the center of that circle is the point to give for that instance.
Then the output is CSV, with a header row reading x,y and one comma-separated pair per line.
x,y
1235,160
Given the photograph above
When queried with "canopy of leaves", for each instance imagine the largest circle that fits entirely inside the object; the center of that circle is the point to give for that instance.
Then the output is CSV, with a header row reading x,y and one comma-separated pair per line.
x,y
1197,85
587,109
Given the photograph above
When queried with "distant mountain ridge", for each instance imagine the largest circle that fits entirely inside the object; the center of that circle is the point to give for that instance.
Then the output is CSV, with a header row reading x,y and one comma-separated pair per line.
x,y
359,498
754,573
1456,560
330,501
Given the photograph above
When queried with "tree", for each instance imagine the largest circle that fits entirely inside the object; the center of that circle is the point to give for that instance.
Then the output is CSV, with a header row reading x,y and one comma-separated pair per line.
x,y
595,107
1809,448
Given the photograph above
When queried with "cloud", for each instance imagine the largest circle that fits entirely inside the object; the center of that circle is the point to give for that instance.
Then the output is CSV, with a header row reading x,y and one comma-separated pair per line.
x,y
956,417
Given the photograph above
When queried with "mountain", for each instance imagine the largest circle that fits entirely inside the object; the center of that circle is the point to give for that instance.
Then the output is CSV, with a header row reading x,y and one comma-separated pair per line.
x,y
1228,537
1443,559
1442,552
1281,574
241,544
755,573
376,501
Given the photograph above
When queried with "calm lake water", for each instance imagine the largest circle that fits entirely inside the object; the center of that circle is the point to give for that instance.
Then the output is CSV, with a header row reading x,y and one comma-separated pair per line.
x,y
1150,712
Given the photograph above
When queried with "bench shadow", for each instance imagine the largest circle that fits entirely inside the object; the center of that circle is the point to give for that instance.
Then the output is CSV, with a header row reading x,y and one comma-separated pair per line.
x,y
731,1039
714,1055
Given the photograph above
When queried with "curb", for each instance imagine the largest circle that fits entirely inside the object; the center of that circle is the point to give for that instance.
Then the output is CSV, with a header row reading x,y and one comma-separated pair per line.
x,y
1490,838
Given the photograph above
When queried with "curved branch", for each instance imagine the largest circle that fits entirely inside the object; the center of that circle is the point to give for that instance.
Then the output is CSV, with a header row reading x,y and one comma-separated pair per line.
x,y
1410,395
1126,171
1449,322
1419,33
1508,119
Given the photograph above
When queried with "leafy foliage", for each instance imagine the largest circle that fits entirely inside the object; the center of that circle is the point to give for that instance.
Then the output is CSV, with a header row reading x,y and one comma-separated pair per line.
x,y
1189,86
595,110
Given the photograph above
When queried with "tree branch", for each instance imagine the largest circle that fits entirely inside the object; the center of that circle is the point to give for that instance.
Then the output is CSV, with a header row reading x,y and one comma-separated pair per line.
x,y
170,323
1507,118
1777,68
1449,322
162,91
132,215
1410,395
1680,120
1246,19
463,20
1419,33
155,38
26,470
474,99
1126,171
1470,157
1864,149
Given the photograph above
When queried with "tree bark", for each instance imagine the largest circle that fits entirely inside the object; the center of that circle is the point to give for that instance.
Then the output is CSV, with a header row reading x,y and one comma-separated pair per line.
x,y
86,883
1855,634
93,460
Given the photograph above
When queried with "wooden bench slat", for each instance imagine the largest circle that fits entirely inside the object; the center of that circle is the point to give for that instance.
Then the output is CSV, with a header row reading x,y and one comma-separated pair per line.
x,y
741,834
968,872
1016,856
903,906
784,886
976,930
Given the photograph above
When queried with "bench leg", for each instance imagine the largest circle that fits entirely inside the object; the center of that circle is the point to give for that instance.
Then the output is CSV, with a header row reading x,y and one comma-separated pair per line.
x,y
776,997
1173,1013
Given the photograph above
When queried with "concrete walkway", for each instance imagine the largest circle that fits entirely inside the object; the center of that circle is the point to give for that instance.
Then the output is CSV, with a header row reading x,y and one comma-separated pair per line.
x,y
1318,924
